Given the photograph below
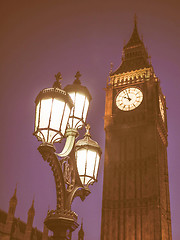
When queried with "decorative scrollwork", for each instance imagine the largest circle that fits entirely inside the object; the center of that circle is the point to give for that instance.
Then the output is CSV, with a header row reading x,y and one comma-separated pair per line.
x,y
63,213
68,185
47,152
68,173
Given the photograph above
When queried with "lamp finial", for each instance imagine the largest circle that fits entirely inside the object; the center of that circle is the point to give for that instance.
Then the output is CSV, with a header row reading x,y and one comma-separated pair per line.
x,y
77,76
57,83
87,130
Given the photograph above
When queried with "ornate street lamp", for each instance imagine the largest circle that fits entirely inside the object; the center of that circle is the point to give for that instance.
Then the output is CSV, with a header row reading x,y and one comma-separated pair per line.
x,y
53,106
88,154
59,114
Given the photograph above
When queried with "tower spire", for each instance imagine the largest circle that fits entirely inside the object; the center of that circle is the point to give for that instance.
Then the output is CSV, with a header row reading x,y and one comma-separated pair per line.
x,y
14,197
134,39
135,55
15,190
30,219
32,207
135,20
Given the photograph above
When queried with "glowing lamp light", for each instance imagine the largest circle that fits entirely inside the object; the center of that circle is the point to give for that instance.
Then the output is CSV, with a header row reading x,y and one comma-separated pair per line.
x,y
53,107
87,154
81,99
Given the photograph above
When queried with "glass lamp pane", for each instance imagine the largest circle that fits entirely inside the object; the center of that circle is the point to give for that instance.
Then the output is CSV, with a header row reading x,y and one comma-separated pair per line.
x,y
85,109
45,111
65,118
91,157
96,166
71,119
37,116
77,113
81,161
79,105
56,114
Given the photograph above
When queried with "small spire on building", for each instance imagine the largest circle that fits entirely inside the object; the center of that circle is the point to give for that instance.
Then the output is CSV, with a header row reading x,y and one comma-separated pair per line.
x,y
81,232
14,197
30,219
32,206
31,209
15,190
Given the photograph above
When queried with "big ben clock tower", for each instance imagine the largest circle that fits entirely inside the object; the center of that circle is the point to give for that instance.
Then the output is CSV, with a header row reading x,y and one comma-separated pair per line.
x,y
136,202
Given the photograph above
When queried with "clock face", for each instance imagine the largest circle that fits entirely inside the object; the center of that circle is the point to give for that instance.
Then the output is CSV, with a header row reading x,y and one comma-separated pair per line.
x,y
129,98
161,108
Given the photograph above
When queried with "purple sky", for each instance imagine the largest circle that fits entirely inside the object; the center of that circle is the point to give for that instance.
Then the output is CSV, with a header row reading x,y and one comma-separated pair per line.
x,y
42,37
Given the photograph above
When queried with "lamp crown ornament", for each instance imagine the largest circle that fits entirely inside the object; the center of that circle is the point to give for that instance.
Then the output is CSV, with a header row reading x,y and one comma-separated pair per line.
x,y
77,80
57,83
87,130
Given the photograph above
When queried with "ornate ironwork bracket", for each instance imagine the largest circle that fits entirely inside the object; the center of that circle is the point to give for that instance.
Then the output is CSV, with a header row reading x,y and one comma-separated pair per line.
x,y
68,186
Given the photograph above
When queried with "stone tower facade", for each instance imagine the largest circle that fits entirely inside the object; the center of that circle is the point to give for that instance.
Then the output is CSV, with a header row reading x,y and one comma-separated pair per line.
x,y
136,202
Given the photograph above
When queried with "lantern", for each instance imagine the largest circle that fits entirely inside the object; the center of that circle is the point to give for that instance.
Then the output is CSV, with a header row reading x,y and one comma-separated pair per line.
x,y
53,107
81,99
87,153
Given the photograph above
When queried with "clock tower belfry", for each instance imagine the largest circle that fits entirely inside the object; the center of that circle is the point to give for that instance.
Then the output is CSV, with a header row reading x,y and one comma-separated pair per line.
x,y
135,202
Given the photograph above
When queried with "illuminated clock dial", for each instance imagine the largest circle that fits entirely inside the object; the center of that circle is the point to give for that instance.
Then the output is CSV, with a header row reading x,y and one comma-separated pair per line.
x,y
129,98
161,108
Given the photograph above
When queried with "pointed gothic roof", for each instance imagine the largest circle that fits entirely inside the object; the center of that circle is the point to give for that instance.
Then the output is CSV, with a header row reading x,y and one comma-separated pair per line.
x,y
81,232
31,209
135,55
14,198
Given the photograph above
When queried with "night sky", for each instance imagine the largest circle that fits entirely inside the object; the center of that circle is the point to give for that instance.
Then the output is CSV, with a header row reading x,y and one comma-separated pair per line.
x,y
40,38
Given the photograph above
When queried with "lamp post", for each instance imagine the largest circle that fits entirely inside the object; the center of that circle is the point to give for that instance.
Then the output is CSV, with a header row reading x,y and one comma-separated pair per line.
x,y
60,114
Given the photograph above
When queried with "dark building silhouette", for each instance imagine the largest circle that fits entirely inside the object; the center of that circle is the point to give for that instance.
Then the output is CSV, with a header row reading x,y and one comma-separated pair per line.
x,y
12,228
135,202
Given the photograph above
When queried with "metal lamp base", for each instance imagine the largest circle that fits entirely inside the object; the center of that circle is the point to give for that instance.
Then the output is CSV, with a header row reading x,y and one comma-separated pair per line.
x,y
62,223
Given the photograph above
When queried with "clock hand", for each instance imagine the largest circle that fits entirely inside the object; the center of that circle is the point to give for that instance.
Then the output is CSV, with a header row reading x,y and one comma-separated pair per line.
x,y
128,96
